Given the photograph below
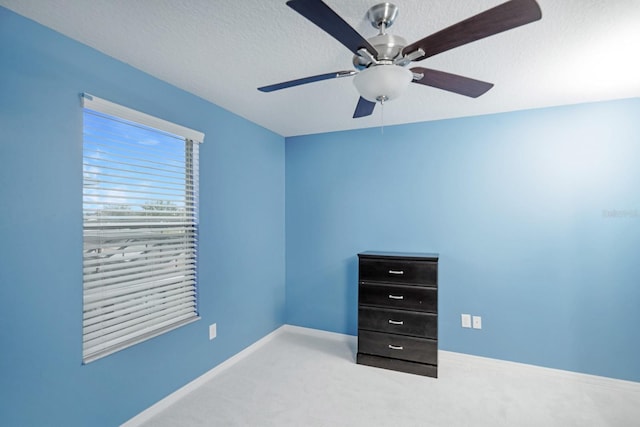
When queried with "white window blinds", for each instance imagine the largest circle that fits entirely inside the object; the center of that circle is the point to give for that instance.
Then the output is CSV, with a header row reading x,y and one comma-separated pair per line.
x,y
140,227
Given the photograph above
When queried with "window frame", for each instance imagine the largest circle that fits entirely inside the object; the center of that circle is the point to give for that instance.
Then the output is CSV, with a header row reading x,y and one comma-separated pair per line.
x,y
96,342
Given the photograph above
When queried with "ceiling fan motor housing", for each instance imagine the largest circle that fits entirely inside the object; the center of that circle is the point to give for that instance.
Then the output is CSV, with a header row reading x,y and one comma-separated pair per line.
x,y
388,47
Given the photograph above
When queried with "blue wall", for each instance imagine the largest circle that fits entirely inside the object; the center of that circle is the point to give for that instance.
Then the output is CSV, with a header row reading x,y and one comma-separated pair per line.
x,y
519,205
242,264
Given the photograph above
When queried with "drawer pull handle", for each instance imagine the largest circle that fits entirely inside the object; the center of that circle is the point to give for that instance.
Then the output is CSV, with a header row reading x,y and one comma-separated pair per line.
x,y
396,322
396,296
399,272
395,347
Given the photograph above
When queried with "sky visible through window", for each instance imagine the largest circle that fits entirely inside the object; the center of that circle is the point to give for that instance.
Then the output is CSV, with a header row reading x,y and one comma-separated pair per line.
x,y
131,168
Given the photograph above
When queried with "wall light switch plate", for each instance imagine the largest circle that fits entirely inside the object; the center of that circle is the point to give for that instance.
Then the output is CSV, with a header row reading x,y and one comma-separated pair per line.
x,y
477,322
466,320
213,331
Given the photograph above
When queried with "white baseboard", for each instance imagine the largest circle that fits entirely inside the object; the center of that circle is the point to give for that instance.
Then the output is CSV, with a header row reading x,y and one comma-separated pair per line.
x,y
318,333
497,365
449,358
163,404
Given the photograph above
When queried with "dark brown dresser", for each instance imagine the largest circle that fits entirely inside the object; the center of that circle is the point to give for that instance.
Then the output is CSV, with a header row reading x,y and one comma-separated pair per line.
x,y
398,311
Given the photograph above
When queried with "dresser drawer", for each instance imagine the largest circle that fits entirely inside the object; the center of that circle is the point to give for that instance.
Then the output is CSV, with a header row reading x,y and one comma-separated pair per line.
x,y
421,350
403,322
398,365
398,271
399,297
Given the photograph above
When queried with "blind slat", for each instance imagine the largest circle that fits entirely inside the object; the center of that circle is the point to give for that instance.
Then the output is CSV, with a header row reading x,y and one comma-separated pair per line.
x,y
125,324
115,290
111,246
94,308
168,184
119,319
117,310
149,272
101,263
96,141
106,282
136,236
104,265
130,172
91,355
103,192
126,224
146,325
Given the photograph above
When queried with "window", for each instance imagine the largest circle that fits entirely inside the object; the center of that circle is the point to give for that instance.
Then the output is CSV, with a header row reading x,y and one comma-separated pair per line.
x,y
140,227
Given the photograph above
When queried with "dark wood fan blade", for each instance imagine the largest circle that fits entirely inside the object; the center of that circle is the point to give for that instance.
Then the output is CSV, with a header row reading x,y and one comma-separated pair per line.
x,y
305,80
452,82
324,17
364,108
504,17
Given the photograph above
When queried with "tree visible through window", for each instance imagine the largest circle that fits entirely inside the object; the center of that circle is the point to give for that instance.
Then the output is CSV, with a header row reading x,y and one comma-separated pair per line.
x,y
140,228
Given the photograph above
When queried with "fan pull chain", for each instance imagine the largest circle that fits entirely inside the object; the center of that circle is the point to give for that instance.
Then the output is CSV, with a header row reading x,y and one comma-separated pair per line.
x,y
382,117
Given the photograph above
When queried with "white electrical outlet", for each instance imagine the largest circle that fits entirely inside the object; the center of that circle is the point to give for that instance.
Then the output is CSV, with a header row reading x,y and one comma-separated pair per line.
x,y
213,331
477,322
466,320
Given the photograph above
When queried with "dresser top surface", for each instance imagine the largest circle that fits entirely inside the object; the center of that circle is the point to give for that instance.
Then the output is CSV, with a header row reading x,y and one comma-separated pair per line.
x,y
411,255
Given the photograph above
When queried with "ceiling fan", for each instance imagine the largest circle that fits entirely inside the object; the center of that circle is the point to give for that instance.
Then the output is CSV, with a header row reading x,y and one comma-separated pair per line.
x,y
381,61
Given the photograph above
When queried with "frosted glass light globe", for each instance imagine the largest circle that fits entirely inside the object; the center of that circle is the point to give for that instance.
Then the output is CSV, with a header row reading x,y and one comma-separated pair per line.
x,y
382,82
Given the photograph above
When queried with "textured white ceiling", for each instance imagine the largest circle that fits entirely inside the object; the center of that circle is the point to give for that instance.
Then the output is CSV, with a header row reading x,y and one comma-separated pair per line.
x,y
581,50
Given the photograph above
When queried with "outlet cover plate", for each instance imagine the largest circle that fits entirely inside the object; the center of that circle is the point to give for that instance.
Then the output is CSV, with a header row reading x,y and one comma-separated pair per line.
x,y
213,331
466,320
477,322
